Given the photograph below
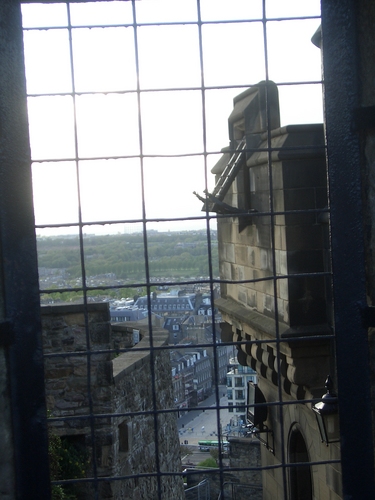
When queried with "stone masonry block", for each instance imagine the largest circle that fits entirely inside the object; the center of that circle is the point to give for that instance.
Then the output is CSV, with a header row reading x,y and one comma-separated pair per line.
x,y
230,253
265,259
280,238
225,232
232,291
281,262
263,236
241,254
260,302
251,257
283,310
268,304
282,289
241,273
277,175
251,298
280,220
226,270
259,178
248,274
234,272
242,295
257,258
278,200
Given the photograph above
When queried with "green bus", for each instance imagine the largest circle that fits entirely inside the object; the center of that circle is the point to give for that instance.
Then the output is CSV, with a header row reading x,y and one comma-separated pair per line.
x,y
207,445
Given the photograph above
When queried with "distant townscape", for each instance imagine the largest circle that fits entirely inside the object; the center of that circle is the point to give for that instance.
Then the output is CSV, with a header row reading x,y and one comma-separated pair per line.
x,y
178,300
119,262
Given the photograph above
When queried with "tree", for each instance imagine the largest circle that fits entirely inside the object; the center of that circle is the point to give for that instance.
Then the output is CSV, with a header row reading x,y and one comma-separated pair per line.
x,y
209,463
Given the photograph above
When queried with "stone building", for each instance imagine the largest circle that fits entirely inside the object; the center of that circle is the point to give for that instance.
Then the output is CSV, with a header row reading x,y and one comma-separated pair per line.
x,y
168,303
274,299
173,325
112,399
192,378
238,377
208,333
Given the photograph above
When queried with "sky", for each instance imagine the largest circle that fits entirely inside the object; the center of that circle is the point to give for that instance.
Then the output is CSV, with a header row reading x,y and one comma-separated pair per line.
x,y
84,109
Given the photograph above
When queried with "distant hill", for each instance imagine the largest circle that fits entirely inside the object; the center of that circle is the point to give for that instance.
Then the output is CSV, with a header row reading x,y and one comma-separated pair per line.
x,y
124,255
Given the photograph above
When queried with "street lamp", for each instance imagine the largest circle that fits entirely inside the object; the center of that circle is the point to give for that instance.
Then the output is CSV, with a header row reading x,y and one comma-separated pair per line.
x,y
327,415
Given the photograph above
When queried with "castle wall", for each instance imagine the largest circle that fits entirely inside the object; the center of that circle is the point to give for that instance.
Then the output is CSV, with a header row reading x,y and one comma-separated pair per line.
x,y
273,259
245,452
245,250
326,478
127,388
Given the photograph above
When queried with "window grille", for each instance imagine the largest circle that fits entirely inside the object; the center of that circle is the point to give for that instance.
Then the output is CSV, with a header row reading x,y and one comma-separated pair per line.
x,y
109,121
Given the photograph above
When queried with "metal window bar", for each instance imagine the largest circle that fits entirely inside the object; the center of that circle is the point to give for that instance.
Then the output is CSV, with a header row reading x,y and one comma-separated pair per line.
x,y
357,480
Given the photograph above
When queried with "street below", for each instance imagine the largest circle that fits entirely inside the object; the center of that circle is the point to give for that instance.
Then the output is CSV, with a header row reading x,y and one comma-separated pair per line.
x,y
205,423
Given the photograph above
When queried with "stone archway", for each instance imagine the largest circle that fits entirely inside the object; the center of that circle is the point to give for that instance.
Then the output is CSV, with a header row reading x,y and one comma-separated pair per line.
x,y
300,480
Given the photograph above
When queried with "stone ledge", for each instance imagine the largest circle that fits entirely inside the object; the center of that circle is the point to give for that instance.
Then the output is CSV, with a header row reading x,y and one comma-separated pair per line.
x,y
244,440
132,359
259,322
292,137
59,309
263,324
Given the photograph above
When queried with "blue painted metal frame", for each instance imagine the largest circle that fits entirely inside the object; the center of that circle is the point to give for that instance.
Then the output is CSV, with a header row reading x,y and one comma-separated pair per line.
x,y
20,269
19,261
340,61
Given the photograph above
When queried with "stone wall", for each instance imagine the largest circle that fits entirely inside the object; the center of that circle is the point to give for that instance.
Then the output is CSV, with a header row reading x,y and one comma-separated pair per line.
x,y
296,236
66,377
299,183
153,437
326,477
135,439
245,452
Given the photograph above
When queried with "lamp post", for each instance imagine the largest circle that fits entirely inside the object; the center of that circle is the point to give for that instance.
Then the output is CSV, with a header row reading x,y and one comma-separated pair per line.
x,y
327,415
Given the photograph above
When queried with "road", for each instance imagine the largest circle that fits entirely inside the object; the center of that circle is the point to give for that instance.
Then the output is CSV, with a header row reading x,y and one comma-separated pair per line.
x,y
199,424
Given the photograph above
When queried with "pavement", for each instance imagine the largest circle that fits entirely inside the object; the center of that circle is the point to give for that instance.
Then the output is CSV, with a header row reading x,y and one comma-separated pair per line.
x,y
204,421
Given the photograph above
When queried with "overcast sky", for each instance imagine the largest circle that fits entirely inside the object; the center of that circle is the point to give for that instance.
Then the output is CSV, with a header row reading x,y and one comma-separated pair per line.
x,y
106,141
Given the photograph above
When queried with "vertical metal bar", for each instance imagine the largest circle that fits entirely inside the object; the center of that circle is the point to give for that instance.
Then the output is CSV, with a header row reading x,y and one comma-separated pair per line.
x,y
145,250
20,277
280,413
83,269
340,61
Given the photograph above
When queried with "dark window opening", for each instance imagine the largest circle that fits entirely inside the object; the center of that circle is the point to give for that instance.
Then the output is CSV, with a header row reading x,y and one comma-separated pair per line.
x,y
300,476
125,436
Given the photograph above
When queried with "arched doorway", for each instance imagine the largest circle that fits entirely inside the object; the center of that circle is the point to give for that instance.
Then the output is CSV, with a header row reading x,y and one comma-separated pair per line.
x,y
300,482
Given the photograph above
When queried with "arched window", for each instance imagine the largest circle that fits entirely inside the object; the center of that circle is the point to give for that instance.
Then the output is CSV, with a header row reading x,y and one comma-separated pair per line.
x,y
300,484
